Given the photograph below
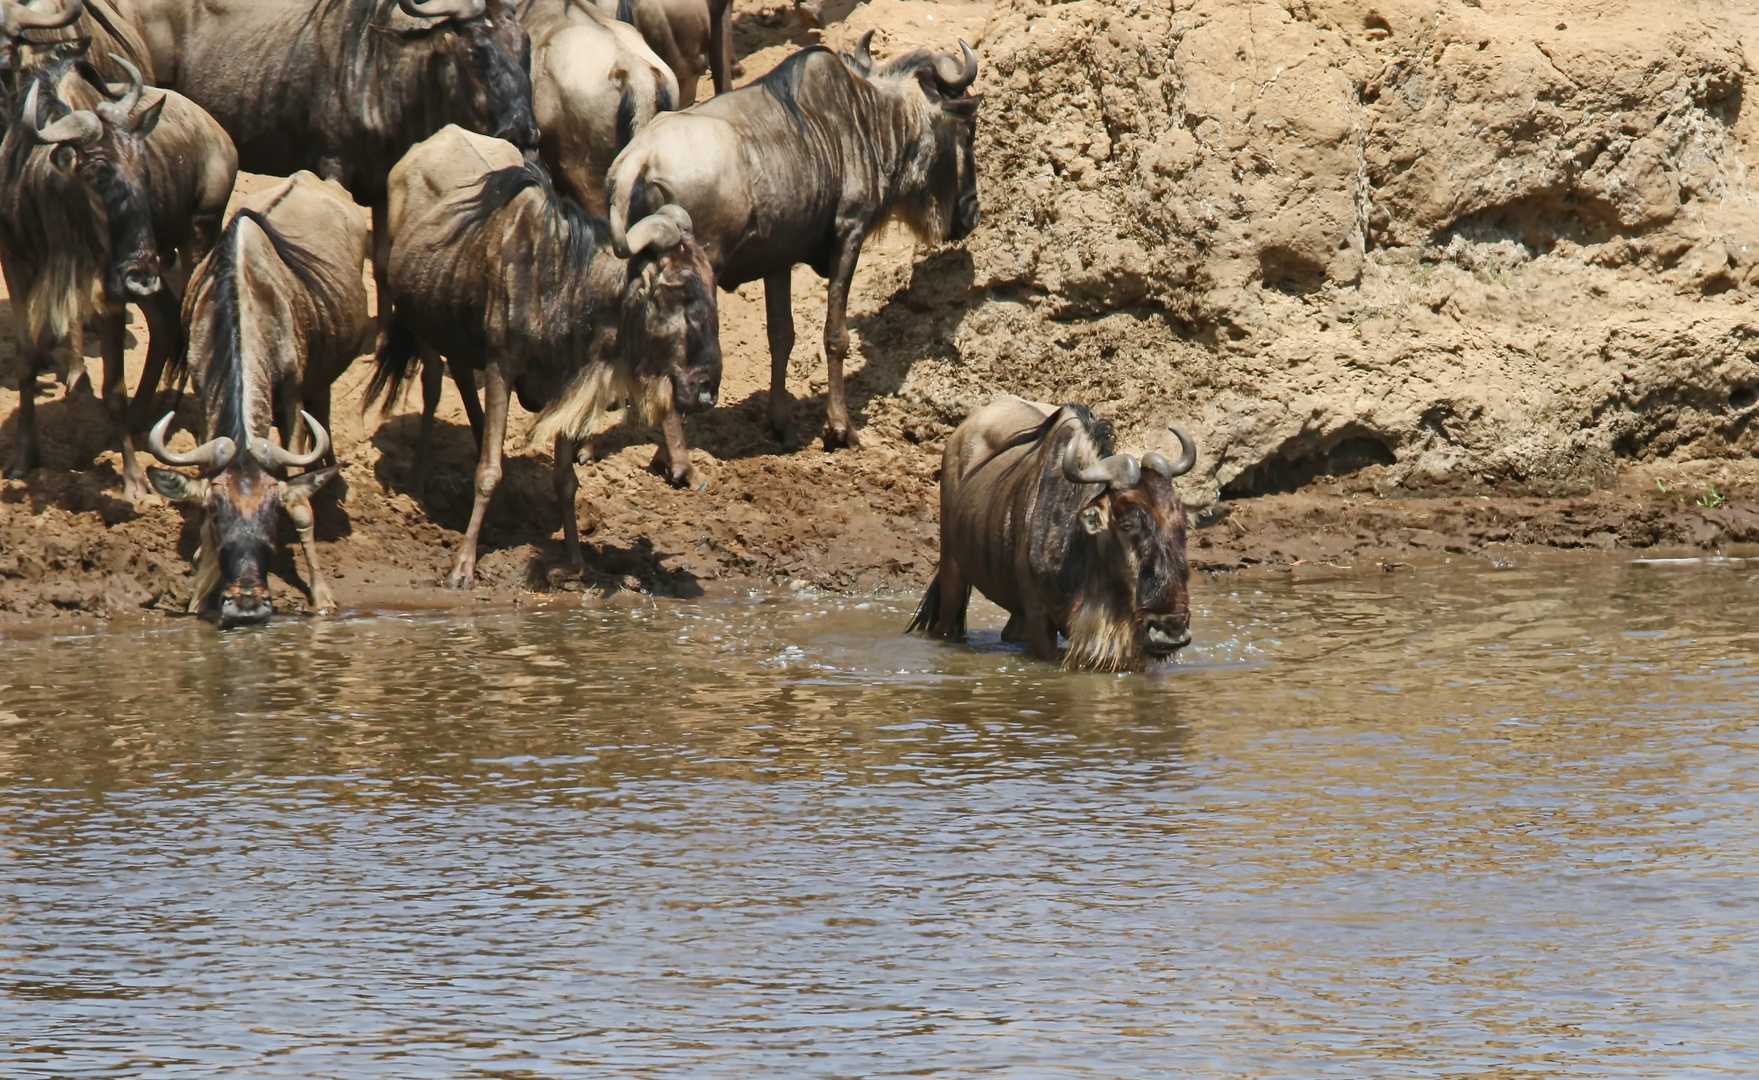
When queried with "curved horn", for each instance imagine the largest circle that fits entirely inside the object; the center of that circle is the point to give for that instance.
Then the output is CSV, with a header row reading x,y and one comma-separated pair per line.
x,y
678,214
211,456
956,75
658,231
19,18
1187,456
81,126
1119,470
273,456
863,57
442,9
136,84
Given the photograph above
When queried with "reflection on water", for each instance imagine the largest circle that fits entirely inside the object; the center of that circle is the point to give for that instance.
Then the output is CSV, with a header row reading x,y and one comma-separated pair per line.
x,y
1470,822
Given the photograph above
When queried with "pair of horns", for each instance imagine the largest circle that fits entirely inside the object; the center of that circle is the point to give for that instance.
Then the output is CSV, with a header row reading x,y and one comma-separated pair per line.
x,y
460,10
955,74
83,127
18,17
662,230
216,454
1123,470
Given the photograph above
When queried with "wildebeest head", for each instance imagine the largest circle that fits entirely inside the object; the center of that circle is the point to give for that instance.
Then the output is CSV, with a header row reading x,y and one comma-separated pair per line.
x,y
484,64
99,154
943,205
16,18
670,322
1132,599
239,494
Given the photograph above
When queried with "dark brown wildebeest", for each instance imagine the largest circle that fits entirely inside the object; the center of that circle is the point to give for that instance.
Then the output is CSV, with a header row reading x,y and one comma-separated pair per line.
x,y
344,87
799,167
275,314
1039,515
594,84
493,270
689,36
89,205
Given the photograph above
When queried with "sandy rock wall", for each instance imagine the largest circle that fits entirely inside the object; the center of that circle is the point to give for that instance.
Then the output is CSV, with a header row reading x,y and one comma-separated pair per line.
x,y
1452,245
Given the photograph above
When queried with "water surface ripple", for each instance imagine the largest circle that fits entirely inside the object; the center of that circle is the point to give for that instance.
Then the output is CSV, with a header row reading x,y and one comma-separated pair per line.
x,y
1469,822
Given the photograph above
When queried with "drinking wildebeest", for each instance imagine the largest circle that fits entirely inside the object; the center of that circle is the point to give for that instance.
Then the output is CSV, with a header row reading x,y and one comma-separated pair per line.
x,y
594,84
1039,515
799,167
120,180
275,314
496,272
344,87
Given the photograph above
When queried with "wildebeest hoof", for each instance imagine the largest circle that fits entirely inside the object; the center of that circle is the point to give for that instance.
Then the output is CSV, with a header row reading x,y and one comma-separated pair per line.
x,y
583,454
461,579
322,603
845,438
135,491
21,467
788,435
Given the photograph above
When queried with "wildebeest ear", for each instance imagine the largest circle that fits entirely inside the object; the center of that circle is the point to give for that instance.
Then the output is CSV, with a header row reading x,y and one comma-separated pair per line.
x,y
1094,519
148,118
177,487
302,487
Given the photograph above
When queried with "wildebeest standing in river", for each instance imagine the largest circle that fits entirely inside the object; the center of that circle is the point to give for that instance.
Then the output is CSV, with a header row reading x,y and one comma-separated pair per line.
x,y
1039,515
594,84
799,167
496,272
103,194
275,314
344,87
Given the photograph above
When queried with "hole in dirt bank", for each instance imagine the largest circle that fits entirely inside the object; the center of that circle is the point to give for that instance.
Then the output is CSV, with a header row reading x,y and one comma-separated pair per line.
x,y
1290,272
1536,223
1280,475
1742,398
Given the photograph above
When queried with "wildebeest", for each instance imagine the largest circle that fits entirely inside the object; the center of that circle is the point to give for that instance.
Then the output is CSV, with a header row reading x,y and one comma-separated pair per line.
x,y
1041,516
119,180
799,167
275,314
594,84
496,272
689,37
344,87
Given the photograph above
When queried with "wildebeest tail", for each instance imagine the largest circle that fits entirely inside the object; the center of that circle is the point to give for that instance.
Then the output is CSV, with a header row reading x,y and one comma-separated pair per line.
x,y
393,367
929,611
623,195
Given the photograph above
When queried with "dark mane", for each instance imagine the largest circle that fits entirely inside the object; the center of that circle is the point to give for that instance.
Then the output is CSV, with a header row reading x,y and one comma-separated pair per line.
x,y
568,225
1100,431
224,374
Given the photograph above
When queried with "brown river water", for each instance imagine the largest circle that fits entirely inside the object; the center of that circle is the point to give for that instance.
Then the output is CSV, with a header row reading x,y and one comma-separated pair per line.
x,y
1464,822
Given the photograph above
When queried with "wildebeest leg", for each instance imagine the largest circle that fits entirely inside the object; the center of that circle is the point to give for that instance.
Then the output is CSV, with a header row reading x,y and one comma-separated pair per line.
x,y
25,455
1041,635
305,523
955,597
432,372
164,340
720,44
110,344
838,430
465,380
1015,631
676,451
778,316
496,389
566,484
381,271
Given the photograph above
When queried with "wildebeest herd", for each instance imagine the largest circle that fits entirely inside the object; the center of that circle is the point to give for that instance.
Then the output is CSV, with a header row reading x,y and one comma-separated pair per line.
x,y
551,217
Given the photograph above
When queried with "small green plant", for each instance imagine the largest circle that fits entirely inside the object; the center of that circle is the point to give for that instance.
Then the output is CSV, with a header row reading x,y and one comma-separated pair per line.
x,y
1711,498
1679,495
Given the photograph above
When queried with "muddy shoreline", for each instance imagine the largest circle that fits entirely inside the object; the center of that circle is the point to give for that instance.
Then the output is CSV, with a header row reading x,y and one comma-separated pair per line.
x,y
767,522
